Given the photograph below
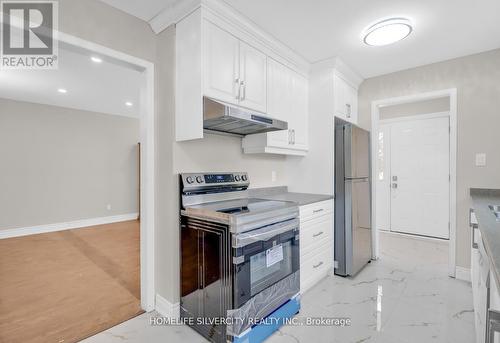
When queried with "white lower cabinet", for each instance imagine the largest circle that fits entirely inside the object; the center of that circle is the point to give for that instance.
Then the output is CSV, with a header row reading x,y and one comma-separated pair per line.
x,y
316,242
485,290
495,306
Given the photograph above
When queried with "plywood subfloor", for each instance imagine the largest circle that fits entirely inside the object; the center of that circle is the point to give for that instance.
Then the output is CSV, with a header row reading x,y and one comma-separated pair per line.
x,y
67,285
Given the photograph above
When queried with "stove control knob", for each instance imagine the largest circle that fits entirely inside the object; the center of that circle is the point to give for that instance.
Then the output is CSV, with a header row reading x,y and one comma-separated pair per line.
x,y
199,179
189,179
237,178
244,177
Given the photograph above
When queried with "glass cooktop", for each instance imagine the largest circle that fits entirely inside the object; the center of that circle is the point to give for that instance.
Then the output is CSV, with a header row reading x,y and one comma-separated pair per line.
x,y
244,206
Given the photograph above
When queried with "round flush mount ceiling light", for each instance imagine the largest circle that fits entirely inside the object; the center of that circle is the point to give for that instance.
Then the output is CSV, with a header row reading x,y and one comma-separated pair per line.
x,y
387,31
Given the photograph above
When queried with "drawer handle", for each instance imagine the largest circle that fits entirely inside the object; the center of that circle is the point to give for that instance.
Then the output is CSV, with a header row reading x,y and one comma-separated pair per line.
x,y
318,234
317,211
317,265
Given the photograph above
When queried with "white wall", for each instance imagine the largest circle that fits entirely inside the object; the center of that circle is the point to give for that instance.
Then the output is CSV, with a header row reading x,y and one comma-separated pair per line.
x,y
477,79
60,164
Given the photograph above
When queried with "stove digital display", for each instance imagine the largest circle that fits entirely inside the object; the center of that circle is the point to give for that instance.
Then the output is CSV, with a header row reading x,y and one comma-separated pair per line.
x,y
216,178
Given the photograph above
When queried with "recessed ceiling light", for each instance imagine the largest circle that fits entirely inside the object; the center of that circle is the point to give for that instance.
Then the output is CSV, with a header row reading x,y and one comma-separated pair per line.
x,y
62,90
96,59
129,104
387,31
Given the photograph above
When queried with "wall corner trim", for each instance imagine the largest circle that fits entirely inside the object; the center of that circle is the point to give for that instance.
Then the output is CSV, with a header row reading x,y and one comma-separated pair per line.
x,y
34,230
463,274
173,14
166,308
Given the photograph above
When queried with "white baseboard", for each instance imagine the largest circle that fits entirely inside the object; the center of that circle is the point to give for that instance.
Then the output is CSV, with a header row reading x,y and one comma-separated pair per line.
x,y
166,308
33,230
462,273
416,237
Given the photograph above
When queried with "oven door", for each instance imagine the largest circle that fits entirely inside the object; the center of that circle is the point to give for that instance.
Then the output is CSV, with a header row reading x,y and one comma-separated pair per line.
x,y
263,257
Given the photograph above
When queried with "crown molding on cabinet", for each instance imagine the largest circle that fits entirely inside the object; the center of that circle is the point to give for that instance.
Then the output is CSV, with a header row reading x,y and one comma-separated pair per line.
x,y
340,68
178,11
173,14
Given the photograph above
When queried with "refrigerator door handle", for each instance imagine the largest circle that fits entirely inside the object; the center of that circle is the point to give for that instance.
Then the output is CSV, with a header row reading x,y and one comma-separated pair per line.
x,y
357,179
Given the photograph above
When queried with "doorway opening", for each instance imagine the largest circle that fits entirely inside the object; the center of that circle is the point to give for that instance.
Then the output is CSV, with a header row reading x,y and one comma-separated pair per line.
x,y
81,250
414,170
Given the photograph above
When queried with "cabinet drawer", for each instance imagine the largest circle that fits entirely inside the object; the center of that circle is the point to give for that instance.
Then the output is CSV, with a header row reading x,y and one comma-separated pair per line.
x,y
315,266
311,211
315,233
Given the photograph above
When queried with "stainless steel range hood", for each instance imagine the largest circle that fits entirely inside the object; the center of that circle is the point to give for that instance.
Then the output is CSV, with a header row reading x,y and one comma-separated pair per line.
x,y
219,117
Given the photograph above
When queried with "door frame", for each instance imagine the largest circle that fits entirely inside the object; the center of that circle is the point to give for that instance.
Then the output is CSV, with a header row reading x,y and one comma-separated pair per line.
x,y
412,118
148,144
375,119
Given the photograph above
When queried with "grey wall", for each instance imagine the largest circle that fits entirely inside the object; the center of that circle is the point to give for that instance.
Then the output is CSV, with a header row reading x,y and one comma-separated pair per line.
x,y
477,79
415,108
61,164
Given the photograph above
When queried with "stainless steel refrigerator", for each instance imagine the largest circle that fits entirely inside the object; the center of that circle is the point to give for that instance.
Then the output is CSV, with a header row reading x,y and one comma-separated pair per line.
x,y
353,234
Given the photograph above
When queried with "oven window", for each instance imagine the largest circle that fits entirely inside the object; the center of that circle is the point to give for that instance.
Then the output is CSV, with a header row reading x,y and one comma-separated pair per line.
x,y
267,268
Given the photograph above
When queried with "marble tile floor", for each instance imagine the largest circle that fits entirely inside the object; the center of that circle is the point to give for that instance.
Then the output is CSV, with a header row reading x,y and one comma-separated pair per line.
x,y
404,297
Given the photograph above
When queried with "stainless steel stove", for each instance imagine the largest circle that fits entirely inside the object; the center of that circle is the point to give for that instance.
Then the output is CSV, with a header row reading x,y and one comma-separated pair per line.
x,y
239,255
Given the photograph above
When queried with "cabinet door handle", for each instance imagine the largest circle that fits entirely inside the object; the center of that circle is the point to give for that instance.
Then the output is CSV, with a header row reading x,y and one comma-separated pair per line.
x,y
348,110
317,265
237,81
473,228
243,93
320,210
318,234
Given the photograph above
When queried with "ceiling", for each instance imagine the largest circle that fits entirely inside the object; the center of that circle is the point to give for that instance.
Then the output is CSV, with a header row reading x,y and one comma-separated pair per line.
x,y
320,29
97,87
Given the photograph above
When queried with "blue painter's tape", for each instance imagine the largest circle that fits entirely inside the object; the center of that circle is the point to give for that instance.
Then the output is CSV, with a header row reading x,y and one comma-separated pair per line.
x,y
272,323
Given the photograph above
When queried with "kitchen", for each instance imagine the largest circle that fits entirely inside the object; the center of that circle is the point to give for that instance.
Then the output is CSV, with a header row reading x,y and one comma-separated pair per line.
x,y
228,53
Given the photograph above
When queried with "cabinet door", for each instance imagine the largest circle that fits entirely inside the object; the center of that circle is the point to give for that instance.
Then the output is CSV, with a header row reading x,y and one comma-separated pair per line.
x,y
279,85
345,100
339,94
253,75
351,99
299,112
221,64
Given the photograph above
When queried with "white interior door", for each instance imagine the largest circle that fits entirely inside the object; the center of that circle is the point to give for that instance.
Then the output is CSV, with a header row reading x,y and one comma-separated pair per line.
x,y
420,177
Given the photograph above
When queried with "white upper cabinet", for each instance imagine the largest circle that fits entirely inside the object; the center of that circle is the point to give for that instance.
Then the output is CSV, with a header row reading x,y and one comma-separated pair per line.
x,y
253,75
279,85
345,99
235,72
335,90
222,65
229,62
287,100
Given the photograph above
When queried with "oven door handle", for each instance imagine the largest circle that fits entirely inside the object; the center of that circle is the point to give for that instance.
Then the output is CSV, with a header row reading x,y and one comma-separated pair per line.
x,y
264,234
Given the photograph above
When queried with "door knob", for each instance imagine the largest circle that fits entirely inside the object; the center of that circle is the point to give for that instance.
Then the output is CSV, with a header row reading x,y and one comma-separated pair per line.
x,y
394,185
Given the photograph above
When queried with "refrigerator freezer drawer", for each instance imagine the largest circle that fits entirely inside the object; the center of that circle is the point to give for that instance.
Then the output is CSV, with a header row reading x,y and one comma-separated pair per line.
x,y
358,225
